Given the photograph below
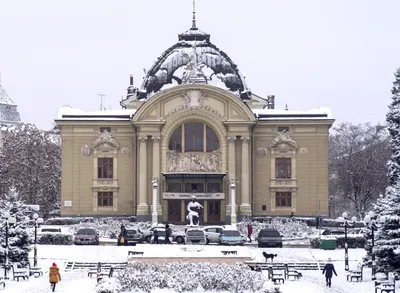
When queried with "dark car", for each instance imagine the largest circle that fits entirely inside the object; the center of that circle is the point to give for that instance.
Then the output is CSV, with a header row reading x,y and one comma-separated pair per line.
x,y
333,232
133,236
86,236
269,237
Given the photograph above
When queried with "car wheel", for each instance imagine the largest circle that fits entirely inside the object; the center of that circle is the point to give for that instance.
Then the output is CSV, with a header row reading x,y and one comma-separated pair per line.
x,y
281,245
179,240
148,239
207,241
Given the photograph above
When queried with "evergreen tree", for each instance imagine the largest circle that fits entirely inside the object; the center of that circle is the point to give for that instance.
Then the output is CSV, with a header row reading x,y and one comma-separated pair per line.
x,y
31,161
387,244
18,237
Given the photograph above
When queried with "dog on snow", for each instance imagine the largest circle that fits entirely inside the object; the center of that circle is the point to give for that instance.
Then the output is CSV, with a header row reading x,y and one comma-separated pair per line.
x,y
269,256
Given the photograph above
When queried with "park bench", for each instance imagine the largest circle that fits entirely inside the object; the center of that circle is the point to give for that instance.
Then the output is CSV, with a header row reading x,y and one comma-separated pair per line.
x,y
356,275
106,273
93,265
2,283
385,286
275,277
135,252
35,271
19,273
291,273
226,252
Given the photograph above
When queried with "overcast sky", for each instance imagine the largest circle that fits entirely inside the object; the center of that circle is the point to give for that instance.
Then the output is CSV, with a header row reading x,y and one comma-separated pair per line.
x,y
339,54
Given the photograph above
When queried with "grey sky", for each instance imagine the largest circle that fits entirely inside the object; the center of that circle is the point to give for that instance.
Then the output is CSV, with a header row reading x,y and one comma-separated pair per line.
x,y
339,54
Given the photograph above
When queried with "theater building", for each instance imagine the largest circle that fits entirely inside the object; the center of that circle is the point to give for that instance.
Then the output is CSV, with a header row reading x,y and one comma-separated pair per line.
x,y
194,128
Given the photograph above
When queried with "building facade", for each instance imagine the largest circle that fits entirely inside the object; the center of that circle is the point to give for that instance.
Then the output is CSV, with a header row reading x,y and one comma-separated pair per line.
x,y
194,128
9,115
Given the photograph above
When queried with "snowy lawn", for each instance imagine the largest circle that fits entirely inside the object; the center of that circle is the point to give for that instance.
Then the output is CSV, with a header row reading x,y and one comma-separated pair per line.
x,y
77,281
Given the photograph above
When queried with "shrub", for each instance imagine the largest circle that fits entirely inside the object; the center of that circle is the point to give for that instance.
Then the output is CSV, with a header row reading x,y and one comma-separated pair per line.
x,y
188,277
108,285
353,241
55,239
68,221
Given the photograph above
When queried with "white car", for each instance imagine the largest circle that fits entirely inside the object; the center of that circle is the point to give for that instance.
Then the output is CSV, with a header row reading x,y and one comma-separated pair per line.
x,y
212,233
195,236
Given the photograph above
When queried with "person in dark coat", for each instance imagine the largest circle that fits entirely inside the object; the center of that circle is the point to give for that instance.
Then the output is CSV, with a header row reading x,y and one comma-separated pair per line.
x,y
155,234
122,236
249,231
328,270
168,233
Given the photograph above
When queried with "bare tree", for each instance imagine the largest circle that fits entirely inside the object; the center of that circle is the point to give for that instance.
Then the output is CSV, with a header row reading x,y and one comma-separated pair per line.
x,y
357,166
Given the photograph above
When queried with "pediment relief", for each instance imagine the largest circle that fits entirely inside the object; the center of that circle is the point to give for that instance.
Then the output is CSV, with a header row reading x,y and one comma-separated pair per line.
x,y
193,101
105,142
283,140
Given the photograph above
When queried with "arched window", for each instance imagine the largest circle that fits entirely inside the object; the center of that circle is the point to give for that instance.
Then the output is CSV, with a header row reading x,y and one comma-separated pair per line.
x,y
193,137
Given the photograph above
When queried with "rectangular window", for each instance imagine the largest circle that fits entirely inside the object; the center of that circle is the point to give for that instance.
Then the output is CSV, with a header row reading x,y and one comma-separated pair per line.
x,y
283,128
213,187
104,168
283,199
105,199
174,187
194,135
102,129
194,187
283,168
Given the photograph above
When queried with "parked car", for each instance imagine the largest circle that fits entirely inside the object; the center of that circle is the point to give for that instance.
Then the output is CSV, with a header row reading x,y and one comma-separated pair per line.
x,y
333,232
212,233
269,237
161,235
177,237
133,236
230,237
86,236
195,236
50,230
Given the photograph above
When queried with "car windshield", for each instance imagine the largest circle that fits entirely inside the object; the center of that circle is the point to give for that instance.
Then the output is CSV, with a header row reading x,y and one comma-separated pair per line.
x,y
130,232
195,233
86,232
230,233
269,233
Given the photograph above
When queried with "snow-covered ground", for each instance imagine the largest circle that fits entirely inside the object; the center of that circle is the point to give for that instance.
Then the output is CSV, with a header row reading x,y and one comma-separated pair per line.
x,y
77,281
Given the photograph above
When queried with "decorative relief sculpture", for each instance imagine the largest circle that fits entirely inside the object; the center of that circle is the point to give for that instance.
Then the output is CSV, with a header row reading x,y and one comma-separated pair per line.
x,y
193,162
105,142
261,152
193,70
303,150
125,150
86,150
283,140
193,215
193,101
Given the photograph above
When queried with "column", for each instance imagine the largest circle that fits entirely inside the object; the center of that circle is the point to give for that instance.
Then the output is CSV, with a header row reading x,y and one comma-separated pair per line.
x,y
156,170
245,208
142,208
231,207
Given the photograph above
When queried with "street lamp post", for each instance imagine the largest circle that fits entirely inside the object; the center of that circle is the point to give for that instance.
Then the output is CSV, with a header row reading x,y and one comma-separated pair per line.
x,y
371,222
347,223
38,221
233,201
9,220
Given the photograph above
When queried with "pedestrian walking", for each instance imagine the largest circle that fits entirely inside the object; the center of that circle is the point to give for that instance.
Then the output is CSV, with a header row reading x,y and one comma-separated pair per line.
x,y
249,231
155,236
54,276
122,236
168,233
328,270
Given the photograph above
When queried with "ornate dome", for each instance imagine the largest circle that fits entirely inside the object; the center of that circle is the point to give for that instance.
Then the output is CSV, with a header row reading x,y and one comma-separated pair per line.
x,y
194,59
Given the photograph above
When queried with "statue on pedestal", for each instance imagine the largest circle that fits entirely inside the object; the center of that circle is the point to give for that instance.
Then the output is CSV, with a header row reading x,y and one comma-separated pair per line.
x,y
193,215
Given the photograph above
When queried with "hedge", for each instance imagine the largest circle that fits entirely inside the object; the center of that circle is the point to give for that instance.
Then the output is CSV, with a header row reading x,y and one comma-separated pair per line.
x,y
352,241
56,239
78,220
311,222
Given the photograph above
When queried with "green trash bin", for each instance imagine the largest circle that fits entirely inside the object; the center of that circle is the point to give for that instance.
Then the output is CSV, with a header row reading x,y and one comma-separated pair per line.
x,y
328,243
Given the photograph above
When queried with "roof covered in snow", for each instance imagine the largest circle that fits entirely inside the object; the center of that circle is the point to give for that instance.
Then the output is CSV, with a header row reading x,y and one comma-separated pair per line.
x,y
194,59
280,114
8,109
68,113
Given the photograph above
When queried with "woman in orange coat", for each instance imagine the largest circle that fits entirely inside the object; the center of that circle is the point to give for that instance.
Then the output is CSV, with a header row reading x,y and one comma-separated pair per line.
x,y
54,276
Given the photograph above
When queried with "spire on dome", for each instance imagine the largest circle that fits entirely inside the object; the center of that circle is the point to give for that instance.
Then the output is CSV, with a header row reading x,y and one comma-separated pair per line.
x,y
194,27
